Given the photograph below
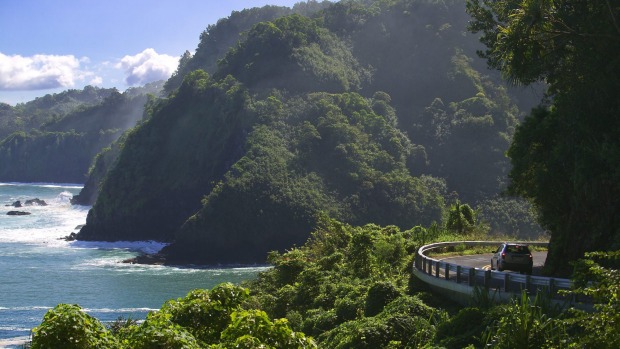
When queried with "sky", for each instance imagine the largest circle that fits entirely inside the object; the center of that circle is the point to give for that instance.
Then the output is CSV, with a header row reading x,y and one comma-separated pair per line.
x,y
48,46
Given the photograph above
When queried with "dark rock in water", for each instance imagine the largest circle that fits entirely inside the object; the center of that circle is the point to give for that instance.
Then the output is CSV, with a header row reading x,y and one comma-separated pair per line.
x,y
36,201
151,259
70,237
17,213
16,204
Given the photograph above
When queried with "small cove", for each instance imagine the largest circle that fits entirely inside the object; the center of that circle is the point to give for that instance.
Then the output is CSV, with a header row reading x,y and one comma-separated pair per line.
x,y
38,270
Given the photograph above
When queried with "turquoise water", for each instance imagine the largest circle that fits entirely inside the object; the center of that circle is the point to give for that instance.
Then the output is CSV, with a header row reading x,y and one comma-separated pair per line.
x,y
38,270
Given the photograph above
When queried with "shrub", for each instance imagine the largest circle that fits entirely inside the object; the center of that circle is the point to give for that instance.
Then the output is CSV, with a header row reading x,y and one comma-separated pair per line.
x,y
462,329
379,295
67,326
254,329
319,321
158,331
205,313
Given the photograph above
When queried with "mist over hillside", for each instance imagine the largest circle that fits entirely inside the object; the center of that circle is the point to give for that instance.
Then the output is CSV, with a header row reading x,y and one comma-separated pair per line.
x,y
56,137
365,111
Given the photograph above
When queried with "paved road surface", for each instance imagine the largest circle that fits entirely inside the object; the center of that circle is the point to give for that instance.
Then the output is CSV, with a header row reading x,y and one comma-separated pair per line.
x,y
484,261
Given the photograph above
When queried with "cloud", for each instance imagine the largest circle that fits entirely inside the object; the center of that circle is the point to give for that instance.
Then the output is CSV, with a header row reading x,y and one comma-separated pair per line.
x,y
96,81
40,72
147,66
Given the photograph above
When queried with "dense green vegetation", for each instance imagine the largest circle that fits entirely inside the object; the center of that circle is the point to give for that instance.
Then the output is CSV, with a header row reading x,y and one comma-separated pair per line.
x,y
566,154
302,117
351,287
55,138
371,125
26,116
218,38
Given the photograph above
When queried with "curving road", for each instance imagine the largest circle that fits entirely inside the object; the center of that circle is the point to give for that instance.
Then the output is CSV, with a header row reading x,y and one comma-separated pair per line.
x,y
483,261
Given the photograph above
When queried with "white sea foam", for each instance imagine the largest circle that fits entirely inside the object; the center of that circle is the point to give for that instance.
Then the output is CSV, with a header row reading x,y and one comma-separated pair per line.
x,y
137,246
25,308
13,328
46,224
13,342
43,185
121,310
42,269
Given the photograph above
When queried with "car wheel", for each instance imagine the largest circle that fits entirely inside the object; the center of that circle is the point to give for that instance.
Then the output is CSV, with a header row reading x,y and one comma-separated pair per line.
x,y
499,267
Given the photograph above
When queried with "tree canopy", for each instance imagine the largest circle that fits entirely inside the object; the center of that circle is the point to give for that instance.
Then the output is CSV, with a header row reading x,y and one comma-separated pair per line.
x,y
566,153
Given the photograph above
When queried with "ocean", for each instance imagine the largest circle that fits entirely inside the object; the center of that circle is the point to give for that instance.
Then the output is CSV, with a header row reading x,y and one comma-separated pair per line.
x,y
39,269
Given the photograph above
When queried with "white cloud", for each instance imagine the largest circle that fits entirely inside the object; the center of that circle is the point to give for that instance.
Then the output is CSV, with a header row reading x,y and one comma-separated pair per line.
x,y
147,66
40,72
96,81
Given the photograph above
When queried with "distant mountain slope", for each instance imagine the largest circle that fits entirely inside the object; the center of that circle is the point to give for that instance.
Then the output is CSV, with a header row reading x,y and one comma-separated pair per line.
x,y
62,148
33,114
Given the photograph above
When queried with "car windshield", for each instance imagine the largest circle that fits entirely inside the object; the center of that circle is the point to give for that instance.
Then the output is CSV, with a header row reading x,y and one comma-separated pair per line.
x,y
517,249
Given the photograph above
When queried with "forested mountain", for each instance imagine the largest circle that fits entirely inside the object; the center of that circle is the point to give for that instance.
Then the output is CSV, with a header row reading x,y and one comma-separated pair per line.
x,y
218,38
33,114
365,111
56,137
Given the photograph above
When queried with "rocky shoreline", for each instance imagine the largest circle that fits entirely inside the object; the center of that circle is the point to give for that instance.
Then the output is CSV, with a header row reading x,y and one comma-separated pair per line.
x,y
148,259
19,204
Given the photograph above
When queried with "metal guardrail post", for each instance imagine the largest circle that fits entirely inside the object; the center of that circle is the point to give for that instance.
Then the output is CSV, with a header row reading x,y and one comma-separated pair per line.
x,y
511,282
527,282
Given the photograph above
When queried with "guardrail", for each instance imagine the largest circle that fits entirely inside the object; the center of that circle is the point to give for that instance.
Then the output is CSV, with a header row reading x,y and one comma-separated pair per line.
x,y
459,282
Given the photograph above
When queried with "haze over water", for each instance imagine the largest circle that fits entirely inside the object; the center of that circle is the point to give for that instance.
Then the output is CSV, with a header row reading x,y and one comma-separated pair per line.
x,y
38,270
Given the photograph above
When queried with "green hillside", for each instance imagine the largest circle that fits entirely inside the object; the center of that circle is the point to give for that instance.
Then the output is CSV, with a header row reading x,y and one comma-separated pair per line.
x,y
55,138
365,111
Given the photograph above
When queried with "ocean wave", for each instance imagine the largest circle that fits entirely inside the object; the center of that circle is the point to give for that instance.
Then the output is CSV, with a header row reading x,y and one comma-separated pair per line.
x,y
115,262
14,328
88,310
25,308
44,185
120,310
137,246
14,342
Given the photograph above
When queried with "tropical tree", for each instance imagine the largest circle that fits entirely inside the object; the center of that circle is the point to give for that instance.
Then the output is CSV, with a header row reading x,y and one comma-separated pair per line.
x,y
566,154
67,326
205,314
461,218
597,277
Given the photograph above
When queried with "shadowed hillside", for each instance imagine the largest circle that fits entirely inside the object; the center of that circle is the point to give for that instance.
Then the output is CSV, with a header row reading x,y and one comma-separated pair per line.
x,y
366,111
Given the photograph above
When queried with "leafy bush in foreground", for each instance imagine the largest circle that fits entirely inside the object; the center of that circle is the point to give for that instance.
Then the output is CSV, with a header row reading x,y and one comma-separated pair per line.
x,y
340,289
67,326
